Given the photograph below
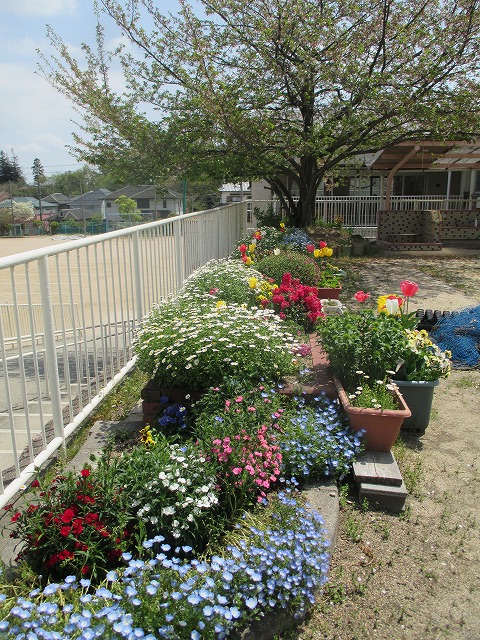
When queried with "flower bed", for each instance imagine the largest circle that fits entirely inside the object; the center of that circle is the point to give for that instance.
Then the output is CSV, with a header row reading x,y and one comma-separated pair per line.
x,y
199,529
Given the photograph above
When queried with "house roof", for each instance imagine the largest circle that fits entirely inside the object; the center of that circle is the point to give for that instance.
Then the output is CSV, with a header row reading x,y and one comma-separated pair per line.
x,y
90,197
144,191
133,191
238,187
427,155
58,198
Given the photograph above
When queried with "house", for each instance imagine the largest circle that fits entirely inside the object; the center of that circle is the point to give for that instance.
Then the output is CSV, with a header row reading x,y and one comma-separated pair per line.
x,y
235,192
152,201
60,199
91,202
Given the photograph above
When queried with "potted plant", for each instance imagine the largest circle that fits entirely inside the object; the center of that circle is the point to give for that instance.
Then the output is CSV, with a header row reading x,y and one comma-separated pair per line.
x,y
422,365
362,349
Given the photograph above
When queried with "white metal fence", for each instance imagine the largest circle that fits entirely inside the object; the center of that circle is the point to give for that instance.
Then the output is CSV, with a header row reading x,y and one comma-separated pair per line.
x,y
68,314
359,213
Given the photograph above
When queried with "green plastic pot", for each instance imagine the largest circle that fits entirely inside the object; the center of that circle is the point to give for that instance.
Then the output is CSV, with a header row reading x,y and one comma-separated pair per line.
x,y
418,394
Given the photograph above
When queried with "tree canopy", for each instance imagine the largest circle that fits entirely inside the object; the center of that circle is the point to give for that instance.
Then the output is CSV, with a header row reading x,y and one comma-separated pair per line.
x,y
285,90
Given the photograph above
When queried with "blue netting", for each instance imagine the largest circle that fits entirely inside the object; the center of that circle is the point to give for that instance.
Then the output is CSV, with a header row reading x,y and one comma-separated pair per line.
x,y
460,333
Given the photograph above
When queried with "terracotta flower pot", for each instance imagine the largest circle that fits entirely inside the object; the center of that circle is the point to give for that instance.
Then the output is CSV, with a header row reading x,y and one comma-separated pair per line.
x,y
381,426
330,293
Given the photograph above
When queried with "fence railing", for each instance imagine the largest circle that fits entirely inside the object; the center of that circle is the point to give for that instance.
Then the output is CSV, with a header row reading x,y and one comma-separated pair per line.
x,y
68,318
360,212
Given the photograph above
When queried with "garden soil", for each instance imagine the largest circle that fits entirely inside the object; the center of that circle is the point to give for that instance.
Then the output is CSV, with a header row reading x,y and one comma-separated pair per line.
x,y
416,576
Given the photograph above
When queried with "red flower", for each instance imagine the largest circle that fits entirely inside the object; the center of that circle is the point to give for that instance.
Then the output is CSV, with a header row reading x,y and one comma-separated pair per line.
x,y
408,288
310,248
15,516
64,531
90,518
84,570
67,516
242,248
322,244
35,483
85,473
77,526
361,296
63,555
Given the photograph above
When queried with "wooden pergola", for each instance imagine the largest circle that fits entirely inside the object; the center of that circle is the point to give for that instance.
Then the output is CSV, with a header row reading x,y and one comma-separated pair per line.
x,y
452,155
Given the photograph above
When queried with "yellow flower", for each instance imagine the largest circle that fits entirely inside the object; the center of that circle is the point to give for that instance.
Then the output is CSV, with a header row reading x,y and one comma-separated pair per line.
x,y
252,247
252,283
317,253
220,304
282,225
248,261
328,252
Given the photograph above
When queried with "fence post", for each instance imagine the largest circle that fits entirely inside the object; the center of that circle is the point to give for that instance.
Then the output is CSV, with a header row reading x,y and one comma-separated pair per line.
x,y
50,349
137,275
179,225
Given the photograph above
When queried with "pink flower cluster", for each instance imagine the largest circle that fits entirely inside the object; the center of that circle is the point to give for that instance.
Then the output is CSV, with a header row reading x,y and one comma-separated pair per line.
x,y
250,461
293,296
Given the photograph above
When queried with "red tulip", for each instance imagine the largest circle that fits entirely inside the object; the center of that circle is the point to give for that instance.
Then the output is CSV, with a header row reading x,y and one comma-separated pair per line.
x,y
310,248
408,288
361,296
322,244
242,248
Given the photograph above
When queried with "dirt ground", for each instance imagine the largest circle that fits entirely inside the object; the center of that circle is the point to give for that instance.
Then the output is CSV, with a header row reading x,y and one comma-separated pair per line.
x,y
416,576
10,246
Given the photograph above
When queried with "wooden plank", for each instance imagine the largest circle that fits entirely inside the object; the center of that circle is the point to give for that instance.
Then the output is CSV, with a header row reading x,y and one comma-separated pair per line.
x,y
377,467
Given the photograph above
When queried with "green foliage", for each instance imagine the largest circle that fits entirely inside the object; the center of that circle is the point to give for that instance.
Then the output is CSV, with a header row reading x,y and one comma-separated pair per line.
x,y
268,217
335,87
9,169
363,342
299,265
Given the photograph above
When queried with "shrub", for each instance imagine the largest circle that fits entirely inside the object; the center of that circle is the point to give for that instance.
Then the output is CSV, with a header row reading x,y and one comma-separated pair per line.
x,y
198,347
300,266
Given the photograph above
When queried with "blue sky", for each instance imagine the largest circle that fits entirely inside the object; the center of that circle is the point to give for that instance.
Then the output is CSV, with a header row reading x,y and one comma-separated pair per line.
x,y
36,120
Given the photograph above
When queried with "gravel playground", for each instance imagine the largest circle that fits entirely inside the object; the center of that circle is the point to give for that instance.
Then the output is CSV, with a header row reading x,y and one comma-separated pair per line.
x,y
416,576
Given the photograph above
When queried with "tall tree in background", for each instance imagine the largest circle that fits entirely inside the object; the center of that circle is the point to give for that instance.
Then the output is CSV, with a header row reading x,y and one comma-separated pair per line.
x,y
39,177
285,90
10,172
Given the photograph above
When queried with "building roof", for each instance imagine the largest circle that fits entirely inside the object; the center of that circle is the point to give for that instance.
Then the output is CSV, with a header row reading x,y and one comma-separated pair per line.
x,y
144,191
134,191
58,198
426,155
237,187
90,197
